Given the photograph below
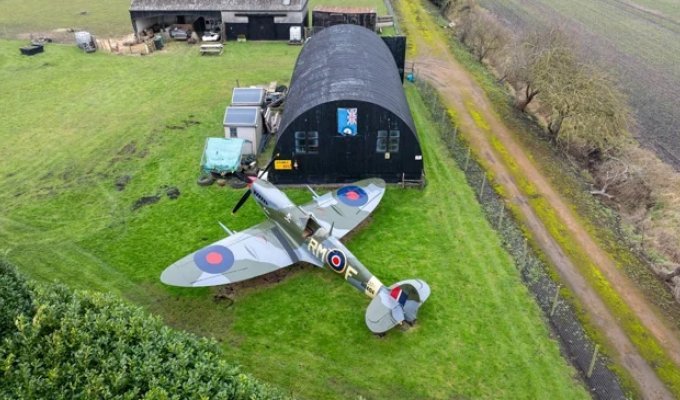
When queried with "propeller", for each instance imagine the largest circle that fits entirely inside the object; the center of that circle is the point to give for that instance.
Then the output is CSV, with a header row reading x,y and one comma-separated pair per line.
x,y
241,201
250,181
269,165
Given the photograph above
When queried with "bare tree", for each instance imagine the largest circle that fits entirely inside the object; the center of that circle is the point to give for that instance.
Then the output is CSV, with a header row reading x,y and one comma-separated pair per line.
x,y
585,110
530,57
487,36
480,31
613,175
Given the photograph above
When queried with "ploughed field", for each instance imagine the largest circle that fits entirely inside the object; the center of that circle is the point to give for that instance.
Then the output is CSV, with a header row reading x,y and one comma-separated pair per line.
x,y
638,39
87,142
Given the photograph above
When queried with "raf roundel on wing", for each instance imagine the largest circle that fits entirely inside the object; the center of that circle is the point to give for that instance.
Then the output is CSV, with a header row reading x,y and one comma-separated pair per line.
x,y
214,259
353,196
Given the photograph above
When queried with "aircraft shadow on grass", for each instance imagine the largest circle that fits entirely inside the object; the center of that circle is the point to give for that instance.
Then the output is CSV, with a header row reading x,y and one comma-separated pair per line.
x,y
309,233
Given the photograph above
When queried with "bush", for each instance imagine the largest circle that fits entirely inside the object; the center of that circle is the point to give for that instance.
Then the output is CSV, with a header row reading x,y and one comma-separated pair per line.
x,y
15,298
92,345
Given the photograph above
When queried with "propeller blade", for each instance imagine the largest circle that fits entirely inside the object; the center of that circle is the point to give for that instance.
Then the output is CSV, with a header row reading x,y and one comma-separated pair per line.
x,y
269,165
241,201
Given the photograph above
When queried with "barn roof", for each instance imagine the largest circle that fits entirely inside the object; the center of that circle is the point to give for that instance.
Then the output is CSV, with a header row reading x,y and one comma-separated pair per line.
x,y
345,62
216,5
345,10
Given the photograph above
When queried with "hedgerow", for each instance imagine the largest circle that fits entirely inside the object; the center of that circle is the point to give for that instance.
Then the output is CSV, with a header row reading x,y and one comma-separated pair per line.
x,y
62,344
15,297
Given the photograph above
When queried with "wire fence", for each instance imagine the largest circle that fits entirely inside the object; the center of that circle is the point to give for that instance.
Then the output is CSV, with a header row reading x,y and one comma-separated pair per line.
x,y
577,347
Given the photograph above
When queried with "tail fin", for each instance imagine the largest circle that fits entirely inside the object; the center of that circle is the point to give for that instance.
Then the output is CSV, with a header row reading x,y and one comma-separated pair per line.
x,y
399,303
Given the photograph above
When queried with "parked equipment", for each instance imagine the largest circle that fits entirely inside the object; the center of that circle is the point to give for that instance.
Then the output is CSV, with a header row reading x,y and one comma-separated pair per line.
x,y
211,36
178,33
159,42
222,156
295,35
85,41
32,49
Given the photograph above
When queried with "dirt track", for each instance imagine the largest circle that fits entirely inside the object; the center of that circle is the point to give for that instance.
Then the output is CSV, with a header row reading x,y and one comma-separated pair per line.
x,y
435,63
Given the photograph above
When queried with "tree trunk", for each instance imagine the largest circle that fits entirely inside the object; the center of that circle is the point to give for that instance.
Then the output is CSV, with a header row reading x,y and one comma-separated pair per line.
x,y
672,274
555,125
529,95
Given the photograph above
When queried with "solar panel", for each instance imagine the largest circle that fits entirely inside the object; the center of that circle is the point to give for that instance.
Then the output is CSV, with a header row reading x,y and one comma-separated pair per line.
x,y
247,96
241,116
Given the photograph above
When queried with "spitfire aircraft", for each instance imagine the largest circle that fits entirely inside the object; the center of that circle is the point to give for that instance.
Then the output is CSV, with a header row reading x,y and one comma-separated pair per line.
x,y
310,233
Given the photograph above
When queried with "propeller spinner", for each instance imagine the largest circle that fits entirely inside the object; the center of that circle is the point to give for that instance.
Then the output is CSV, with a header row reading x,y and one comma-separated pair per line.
x,y
250,181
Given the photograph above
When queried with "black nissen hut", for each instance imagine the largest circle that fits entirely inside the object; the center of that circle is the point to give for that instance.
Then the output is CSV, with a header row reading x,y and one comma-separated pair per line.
x,y
346,115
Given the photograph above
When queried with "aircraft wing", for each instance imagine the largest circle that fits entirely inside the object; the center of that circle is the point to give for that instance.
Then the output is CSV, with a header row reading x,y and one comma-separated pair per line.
x,y
243,255
346,207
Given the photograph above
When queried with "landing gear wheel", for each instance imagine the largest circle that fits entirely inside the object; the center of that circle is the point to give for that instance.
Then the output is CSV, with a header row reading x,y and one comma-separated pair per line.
x,y
205,180
380,335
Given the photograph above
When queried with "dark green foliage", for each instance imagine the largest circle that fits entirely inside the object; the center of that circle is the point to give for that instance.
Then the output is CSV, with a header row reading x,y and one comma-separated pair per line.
x,y
92,345
15,298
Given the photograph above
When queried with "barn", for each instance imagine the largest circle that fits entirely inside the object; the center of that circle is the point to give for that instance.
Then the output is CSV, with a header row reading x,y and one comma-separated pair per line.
x,y
325,16
346,115
254,19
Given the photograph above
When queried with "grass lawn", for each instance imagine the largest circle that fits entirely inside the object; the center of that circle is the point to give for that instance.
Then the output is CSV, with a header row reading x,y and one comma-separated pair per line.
x,y
72,124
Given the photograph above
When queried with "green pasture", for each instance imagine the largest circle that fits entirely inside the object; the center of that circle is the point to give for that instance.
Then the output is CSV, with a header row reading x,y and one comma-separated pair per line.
x,y
72,124
102,17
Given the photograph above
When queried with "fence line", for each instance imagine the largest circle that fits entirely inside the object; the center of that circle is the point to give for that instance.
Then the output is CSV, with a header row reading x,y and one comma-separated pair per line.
x,y
577,347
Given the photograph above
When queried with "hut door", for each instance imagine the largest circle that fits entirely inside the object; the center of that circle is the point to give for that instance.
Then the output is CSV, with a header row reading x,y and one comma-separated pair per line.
x,y
349,157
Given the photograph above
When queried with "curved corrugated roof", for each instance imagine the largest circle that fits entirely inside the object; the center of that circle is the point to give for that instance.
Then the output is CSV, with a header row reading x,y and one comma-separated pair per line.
x,y
345,62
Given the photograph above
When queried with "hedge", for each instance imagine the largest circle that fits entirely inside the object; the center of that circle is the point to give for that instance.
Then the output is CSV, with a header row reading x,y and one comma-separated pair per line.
x,y
61,344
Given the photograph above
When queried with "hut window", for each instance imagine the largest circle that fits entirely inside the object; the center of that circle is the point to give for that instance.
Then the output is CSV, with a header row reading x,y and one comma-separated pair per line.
x,y
313,142
387,143
307,142
381,144
394,142
232,132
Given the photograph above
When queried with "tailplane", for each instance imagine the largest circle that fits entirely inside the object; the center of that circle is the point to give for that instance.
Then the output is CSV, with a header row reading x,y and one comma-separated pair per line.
x,y
397,304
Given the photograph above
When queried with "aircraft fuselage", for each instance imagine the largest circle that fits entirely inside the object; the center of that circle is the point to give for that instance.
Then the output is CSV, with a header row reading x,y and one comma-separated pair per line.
x,y
317,241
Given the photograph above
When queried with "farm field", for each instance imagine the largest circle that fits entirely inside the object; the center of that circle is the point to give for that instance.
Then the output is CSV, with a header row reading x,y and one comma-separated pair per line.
x,y
74,124
638,39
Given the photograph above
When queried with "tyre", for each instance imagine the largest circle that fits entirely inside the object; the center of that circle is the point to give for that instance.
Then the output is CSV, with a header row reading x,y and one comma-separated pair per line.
x,y
236,183
205,180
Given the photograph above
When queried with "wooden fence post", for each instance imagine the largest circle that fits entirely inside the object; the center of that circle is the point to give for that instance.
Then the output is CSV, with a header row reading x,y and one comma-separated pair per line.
x,y
467,160
555,301
481,189
592,361
500,217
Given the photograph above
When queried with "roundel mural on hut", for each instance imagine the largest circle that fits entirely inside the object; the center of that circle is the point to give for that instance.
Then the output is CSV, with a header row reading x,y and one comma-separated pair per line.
x,y
347,121
214,259
337,260
353,196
